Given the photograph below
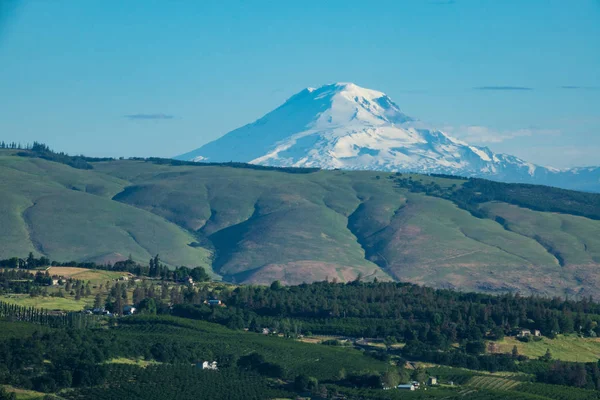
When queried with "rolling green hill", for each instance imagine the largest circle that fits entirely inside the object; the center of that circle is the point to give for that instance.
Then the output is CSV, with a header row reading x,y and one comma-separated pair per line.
x,y
253,224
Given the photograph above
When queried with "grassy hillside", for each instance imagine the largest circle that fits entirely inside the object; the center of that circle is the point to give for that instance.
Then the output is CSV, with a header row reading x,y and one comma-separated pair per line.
x,y
566,348
258,225
65,213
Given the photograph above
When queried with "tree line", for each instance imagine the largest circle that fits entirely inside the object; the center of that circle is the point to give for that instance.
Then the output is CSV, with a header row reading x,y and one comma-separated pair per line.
x,y
406,312
475,191
154,269
40,316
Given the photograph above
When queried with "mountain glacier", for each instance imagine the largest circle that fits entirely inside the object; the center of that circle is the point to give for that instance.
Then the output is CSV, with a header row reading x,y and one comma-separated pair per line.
x,y
346,126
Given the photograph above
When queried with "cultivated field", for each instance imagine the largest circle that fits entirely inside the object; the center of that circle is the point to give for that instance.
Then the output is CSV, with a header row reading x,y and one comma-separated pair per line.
x,y
130,361
566,348
83,274
49,303
493,383
23,394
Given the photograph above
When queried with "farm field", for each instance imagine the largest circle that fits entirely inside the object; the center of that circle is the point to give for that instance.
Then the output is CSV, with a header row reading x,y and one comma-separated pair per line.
x,y
493,382
565,348
23,394
49,303
131,361
83,274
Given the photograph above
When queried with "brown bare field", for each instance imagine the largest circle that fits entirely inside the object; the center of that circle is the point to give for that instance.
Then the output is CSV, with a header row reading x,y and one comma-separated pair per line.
x,y
297,272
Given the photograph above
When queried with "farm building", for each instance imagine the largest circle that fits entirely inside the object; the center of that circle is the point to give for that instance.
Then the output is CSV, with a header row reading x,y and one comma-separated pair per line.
x,y
524,333
187,280
408,386
209,365
129,310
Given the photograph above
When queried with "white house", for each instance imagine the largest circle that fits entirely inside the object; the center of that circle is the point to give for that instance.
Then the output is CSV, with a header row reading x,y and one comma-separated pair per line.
x,y
408,386
524,333
210,365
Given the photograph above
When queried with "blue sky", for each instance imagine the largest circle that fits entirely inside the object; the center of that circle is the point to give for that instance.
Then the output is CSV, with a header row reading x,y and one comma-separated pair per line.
x,y
159,78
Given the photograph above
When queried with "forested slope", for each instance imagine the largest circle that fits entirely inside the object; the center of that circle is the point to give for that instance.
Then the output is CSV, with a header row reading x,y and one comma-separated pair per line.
x,y
254,224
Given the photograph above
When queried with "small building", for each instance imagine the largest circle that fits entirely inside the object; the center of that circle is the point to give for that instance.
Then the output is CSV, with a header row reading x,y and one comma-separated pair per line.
x,y
214,303
129,310
432,381
55,282
124,278
537,333
266,331
524,333
210,365
408,386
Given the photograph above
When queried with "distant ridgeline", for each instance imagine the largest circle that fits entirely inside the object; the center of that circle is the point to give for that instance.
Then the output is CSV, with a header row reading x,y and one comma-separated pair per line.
x,y
472,192
476,191
170,161
41,150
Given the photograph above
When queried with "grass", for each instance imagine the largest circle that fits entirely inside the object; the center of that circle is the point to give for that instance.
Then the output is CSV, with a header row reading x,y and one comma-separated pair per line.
x,y
431,241
23,394
492,383
256,226
49,303
83,274
68,214
565,348
569,239
130,361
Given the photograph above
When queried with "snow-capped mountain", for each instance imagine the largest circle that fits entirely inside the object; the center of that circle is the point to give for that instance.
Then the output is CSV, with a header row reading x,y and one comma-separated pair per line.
x,y
345,126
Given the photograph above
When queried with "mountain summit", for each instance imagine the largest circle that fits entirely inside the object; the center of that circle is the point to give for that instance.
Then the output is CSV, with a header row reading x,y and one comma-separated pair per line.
x,y
345,126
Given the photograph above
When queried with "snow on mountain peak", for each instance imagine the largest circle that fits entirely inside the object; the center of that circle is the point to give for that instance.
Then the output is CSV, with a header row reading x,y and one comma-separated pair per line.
x,y
347,103
343,125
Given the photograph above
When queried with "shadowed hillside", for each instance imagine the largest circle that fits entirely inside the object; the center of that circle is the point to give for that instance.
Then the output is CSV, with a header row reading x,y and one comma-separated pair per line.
x,y
259,225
